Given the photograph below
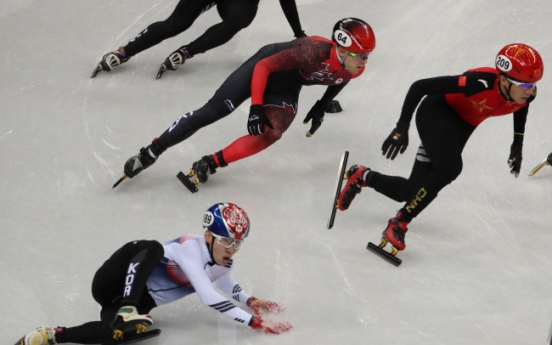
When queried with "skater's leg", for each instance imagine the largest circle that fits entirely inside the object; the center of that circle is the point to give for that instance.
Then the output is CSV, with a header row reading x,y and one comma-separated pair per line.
x,y
443,134
396,187
183,16
281,118
95,332
112,280
119,285
236,15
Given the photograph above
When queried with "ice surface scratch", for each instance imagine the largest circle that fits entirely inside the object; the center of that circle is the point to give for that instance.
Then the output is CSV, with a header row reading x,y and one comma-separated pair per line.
x,y
10,132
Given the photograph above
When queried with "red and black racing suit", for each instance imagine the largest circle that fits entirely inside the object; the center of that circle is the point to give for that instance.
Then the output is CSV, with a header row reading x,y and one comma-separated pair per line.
x,y
453,108
273,77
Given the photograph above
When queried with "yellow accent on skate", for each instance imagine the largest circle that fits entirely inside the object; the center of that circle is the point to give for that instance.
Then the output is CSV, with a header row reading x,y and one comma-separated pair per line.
x,y
539,167
118,334
141,328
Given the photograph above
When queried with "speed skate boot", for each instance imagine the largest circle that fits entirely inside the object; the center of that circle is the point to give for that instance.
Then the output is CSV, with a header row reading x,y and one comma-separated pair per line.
x,y
202,169
394,234
129,321
143,160
174,61
355,180
110,61
40,336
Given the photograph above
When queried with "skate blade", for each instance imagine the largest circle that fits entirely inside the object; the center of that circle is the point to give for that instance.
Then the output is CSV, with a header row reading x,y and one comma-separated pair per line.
x,y
539,167
132,338
390,257
120,180
338,184
162,70
186,182
96,70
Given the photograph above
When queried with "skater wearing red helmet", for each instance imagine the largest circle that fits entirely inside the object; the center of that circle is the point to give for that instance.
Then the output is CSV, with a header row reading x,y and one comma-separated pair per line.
x,y
272,78
445,119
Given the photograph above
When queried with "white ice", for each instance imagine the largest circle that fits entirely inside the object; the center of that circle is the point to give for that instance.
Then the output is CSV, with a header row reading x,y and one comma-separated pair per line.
x,y
477,265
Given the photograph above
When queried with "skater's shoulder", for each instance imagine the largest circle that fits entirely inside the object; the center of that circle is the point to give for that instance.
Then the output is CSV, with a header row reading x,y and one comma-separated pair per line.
x,y
185,241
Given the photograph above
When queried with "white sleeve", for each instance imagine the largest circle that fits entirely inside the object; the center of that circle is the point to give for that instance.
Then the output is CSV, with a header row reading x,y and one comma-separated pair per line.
x,y
231,288
188,257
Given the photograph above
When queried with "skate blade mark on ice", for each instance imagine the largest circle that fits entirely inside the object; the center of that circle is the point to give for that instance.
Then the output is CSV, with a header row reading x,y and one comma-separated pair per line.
x,y
341,175
134,337
389,256
545,162
185,179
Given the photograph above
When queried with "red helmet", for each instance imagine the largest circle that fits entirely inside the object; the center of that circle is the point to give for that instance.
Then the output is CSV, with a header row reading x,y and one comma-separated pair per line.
x,y
520,62
355,35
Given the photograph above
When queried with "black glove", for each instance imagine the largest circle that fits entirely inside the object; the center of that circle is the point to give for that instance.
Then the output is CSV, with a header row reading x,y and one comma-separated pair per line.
x,y
301,34
514,161
316,114
257,120
397,141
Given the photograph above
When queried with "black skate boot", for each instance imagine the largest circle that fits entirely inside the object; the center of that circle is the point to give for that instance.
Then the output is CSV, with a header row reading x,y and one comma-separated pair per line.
x,y
143,160
174,61
110,61
202,169
355,181
129,321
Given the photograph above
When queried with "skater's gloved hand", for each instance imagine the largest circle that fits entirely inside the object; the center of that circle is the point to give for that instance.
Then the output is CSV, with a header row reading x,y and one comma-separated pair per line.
x,y
269,326
316,114
397,141
300,34
257,120
514,161
259,305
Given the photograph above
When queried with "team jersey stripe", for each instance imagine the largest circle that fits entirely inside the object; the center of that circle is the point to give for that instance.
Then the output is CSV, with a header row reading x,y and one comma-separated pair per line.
x,y
229,264
223,306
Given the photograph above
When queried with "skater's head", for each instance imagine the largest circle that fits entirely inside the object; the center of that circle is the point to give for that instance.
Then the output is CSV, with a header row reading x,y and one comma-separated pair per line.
x,y
226,227
355,41
520,67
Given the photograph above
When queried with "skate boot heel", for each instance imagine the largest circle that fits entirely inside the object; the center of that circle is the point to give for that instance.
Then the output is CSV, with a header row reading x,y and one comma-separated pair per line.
x,y
128,320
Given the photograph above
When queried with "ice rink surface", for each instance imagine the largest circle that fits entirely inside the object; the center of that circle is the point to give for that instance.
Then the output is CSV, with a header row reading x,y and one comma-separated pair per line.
x,y
477,265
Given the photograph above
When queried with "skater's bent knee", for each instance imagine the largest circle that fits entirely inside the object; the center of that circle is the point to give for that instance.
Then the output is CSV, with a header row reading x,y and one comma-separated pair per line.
x,y
272,135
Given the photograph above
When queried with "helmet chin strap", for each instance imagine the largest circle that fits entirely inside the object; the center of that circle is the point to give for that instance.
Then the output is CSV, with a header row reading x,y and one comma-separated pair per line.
x,y
340,59
507,94
210,249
